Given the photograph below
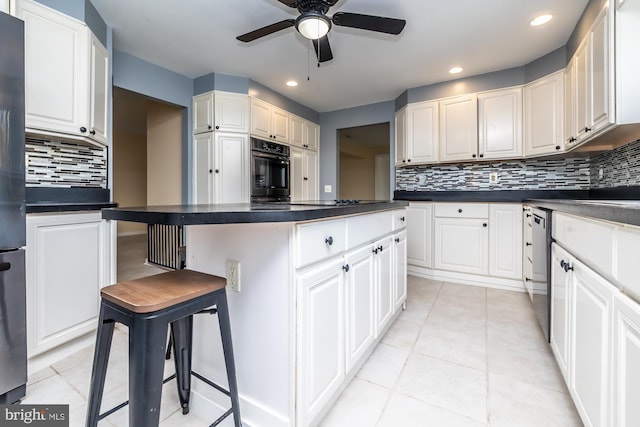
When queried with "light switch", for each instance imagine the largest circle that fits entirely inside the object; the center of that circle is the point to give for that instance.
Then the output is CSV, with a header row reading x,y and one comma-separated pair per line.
x,y
327,188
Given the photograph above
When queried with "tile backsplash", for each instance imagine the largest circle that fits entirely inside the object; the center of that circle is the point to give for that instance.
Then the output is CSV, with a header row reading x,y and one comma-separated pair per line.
x,y
55,163
620,167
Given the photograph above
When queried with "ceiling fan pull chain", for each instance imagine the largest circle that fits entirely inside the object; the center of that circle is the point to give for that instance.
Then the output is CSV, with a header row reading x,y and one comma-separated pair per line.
x,y
308,59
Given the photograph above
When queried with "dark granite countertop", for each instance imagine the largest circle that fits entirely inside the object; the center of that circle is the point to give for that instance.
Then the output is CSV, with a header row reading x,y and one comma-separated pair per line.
x,y
242,212
67,207
58,199
623,211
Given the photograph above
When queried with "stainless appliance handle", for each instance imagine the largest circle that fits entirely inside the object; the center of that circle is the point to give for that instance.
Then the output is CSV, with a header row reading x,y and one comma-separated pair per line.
x,y
270,156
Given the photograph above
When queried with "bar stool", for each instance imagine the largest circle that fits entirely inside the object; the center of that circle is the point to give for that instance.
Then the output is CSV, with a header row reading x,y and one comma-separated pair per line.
x,y
148,306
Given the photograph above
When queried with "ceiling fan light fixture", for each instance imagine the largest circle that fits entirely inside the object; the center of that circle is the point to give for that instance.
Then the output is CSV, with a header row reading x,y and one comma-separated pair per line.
x,y
313,25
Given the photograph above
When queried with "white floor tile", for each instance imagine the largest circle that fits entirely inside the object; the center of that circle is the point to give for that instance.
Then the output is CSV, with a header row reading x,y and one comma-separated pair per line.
x,y
402,334
406,411
448,385
415,312
42,374
453,346
384,365
359,405
53,390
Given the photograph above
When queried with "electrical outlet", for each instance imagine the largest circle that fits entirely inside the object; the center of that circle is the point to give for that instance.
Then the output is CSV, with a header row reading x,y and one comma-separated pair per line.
x,y
600,173
233,275
327,188
494,178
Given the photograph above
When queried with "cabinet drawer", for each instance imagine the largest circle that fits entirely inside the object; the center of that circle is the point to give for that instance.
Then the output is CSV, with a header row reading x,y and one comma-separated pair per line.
x,y
367,228
399,219
462,210
320,240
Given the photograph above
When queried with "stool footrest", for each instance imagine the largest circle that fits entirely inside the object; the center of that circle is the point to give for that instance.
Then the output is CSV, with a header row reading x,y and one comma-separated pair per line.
x,y
211,383
222,417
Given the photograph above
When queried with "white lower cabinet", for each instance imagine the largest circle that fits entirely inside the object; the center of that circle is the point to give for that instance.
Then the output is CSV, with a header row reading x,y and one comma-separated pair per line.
x,y
304,174
461,245
321,338
419,240
68,261
505,240
559,338
344,303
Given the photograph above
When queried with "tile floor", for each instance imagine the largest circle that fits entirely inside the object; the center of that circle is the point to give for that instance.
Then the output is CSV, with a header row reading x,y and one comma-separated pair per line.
x,y
457,356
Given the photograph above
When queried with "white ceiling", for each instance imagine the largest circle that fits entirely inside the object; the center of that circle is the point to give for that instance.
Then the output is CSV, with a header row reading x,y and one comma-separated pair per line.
x,y
197,37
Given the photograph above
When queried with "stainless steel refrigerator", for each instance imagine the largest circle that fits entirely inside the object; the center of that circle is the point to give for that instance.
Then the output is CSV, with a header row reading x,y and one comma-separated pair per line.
x,y
13,331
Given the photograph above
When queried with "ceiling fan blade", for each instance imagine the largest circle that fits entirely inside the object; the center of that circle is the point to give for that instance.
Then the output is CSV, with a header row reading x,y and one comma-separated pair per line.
x,y
369,22
265,31
290,3
323,49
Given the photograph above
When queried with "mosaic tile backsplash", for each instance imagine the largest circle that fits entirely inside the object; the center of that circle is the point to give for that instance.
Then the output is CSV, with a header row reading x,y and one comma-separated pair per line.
x,y
54,163
620,167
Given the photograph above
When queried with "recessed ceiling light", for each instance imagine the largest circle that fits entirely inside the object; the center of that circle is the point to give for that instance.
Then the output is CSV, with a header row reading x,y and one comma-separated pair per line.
x,y
292,83
540,20
456,70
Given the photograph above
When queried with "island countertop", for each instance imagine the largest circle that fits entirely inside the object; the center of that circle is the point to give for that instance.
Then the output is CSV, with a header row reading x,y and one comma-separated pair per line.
x,y
239,213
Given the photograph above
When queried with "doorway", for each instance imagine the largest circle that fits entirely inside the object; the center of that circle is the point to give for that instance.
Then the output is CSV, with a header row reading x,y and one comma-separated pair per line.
x,y
147,169
364,168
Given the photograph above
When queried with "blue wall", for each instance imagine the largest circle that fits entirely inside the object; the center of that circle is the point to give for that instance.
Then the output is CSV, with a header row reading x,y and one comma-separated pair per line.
x,y
136,75
274,98
217,81
332,121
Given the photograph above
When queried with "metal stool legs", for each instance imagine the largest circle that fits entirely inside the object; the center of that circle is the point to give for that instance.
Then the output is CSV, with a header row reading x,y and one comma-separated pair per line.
x,y
182,341
227,348
99,370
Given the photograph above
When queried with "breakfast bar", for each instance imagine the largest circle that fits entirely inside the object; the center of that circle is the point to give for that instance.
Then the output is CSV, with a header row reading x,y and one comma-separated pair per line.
x,y
316,285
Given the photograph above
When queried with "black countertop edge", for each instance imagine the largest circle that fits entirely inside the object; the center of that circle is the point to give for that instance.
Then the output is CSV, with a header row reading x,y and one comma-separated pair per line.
x,y
625,214
240,213
55,195
66,207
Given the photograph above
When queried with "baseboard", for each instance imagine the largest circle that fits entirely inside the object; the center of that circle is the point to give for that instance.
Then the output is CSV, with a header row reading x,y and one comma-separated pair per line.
x,y
48,358
467,279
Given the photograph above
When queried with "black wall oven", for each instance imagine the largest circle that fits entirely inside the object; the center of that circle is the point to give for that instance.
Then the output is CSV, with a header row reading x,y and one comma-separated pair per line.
x,y
269,171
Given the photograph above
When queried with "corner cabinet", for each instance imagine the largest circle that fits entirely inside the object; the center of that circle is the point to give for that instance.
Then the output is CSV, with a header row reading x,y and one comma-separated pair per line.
x,y
221,168
220,111
417,134
543,115
500,124
69,258
69,98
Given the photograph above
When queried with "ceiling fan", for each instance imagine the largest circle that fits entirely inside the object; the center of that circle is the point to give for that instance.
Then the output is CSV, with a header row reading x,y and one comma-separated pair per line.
x,y
314,24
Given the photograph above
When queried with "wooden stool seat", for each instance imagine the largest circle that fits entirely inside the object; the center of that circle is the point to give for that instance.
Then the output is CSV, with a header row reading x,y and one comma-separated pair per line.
x,y
153,293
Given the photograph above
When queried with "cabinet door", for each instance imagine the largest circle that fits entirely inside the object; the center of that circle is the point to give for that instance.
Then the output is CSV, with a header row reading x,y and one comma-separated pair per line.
x,y
543,115
582,62
589,362
601,96
500,124
505,241
231,112
419,234
68,261
296,174
280,125
384,283
321,328
260,119
401,135
560,298
570,115
626,362
312,132
56,97
297,131
459,128
231,168
99,91
422,133
360,304
400,268
310,178
4,6
203,113
203,168
461,245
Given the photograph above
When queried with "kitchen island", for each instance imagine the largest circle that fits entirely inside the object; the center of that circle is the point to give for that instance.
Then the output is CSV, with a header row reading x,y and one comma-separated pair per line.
x,y
319,284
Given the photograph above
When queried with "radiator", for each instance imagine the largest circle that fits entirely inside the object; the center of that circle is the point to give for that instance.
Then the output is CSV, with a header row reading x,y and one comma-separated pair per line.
x,y
165,245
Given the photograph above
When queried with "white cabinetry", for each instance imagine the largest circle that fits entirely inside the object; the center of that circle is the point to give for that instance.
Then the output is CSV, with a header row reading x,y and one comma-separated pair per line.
x,y
384,277
221,168
505,240
67,75
269,122
543,115
459,128
4,6
401,137
220,111
560,298
500,124
417,134
68,261
400,263
420,234
303,133
304,174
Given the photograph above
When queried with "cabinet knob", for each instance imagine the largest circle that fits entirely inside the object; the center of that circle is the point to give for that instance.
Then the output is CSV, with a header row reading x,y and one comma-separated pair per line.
x,y
402,218
83,129
375,251
587,129
380,248
209,126
557,147
345,268
93,132
528,244
572,139
473,155
217,171
404,161
217,127
210,170
397,239
481,155
459,210
484,224
528,215
408,160
329,241
527,279
566,266
305,178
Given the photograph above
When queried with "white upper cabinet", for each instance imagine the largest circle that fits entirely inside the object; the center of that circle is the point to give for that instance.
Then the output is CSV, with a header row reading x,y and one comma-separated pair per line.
x,y
459,128
4,6
500,124
543,115
401,139
269,122
220,111
312,132
303,133
422,133
67,77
